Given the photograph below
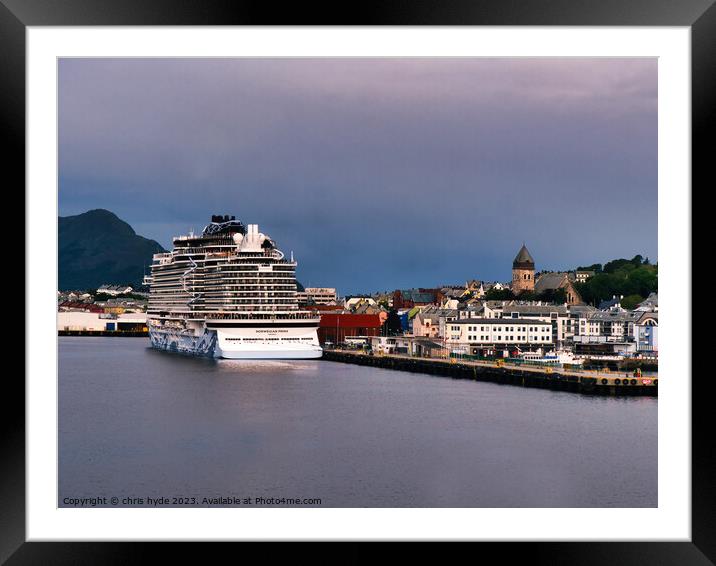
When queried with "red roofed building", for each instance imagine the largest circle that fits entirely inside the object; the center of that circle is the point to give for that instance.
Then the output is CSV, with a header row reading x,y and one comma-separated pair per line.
x,y
335,327
82,307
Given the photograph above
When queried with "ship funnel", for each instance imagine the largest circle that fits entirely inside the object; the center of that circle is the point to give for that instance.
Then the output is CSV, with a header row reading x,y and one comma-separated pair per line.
x,y
252,240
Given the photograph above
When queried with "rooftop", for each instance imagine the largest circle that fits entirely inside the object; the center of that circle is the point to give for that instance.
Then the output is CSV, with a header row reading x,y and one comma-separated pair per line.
x,y
500,321
523,257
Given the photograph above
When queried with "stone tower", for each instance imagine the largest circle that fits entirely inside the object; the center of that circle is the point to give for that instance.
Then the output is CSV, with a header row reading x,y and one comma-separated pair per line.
x,y
523,272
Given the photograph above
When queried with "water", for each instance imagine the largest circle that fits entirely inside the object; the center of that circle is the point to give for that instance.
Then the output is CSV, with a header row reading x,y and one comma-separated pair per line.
x,y
139,423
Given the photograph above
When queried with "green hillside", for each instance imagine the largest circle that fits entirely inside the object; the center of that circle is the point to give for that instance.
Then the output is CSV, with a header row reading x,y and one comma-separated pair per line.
x,y
96,247
632,278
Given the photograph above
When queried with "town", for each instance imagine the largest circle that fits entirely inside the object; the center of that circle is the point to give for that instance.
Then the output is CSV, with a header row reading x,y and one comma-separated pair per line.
x,y
532,315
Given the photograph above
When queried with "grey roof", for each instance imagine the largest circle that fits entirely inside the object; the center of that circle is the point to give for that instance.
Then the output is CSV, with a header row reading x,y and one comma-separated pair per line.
x,y
425,341
651,301
499,321
453,293
523,256
549,281
436,312
417,296
535,309
578,309
619,316
610,303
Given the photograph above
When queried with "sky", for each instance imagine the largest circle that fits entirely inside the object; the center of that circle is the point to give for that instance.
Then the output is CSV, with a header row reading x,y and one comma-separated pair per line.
x,y
377,173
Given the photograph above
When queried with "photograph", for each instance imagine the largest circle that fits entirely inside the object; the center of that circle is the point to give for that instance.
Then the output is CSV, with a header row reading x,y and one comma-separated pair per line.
x,y
358,282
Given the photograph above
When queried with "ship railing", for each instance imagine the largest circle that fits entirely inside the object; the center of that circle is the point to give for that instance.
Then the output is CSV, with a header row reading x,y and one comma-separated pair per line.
x,y
291,315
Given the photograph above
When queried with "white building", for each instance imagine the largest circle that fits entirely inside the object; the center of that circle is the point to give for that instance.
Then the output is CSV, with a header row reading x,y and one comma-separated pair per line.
x,y
617,330
478,334
91,321
556,315
350,302
582,276
647,338
114,290
317,296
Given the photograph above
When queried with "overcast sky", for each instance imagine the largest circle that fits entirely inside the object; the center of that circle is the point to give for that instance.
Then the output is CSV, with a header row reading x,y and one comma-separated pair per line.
x,y
377,173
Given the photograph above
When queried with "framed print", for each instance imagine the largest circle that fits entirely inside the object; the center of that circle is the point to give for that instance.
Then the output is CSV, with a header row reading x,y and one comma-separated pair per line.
x,y
295,278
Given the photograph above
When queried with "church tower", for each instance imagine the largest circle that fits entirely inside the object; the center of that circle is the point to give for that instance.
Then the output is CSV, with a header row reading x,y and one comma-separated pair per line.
x,y
523,272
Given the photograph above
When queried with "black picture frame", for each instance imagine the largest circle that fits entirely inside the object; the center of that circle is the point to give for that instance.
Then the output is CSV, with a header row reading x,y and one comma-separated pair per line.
x,y
699,15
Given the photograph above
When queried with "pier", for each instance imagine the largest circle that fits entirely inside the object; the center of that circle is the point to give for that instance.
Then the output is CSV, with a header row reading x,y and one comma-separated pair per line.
x,y
576,381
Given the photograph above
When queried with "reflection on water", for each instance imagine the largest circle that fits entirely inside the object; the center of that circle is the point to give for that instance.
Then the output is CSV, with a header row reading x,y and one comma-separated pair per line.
x,y
139,422
266,366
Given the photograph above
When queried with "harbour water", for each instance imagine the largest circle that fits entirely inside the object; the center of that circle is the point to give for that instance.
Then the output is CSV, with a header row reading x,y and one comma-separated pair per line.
x,y
136,423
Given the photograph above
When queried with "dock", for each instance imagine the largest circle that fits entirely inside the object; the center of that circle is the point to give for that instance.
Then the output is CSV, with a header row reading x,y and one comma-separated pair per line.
x,y
588,382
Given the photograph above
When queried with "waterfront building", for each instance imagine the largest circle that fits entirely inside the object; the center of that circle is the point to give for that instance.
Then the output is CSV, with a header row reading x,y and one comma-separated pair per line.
x,y
485,336
335,327
646,335
523,272
100,322
615,331
317,296
418,346
556,315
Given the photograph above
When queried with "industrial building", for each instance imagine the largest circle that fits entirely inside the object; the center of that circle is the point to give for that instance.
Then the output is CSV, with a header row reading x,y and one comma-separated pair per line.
x,y
100,322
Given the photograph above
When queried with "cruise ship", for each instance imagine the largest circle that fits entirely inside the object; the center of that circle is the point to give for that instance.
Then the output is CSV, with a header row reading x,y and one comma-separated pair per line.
x,y
228,293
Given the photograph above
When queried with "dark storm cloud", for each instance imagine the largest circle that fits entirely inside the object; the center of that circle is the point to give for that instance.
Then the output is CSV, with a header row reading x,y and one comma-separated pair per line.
x,y
378,173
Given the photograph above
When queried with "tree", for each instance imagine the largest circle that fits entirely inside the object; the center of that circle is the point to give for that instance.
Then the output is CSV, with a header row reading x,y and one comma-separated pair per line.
x,y
499,295
620,277
556,296
393,324
631,301
596,267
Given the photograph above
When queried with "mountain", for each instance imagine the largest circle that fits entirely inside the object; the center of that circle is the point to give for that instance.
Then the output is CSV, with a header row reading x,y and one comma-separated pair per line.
x,y
96,247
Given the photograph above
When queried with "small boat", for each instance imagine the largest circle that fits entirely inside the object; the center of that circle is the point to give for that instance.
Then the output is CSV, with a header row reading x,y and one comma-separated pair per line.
x,y
551,358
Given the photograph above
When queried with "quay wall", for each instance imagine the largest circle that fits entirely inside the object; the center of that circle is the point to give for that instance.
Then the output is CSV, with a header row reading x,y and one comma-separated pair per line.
x,y
113,333
595,384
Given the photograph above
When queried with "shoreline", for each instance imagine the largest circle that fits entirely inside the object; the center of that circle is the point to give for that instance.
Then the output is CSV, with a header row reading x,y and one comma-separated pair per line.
x,y
586,383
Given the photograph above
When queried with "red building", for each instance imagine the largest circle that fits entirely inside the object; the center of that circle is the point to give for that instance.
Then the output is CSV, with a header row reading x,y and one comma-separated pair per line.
x,y
335,327
84,307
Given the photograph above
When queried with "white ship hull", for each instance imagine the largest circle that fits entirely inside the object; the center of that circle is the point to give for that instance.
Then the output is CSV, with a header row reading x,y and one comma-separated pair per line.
x,y
239,343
